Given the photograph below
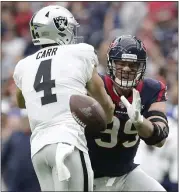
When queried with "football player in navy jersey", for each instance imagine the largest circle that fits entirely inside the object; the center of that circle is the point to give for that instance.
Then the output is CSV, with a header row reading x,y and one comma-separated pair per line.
x,y
140,113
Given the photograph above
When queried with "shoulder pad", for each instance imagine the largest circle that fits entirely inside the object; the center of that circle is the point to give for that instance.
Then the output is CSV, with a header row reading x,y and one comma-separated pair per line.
x,y
24,60
20,62
156,89
152,84
86,47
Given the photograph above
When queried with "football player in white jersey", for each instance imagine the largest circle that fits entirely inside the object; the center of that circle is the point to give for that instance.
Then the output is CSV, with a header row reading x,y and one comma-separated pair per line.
x,y
45,82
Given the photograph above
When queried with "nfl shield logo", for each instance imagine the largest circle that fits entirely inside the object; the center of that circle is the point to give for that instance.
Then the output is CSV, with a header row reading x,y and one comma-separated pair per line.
x,y
121,105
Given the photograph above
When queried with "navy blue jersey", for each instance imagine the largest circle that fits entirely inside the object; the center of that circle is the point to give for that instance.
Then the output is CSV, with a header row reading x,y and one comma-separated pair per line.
x,y
112,152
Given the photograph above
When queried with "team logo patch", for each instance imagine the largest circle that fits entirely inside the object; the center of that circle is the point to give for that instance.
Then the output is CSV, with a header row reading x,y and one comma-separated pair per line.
x,y
86,111
129,56
112,45
61,23
121,105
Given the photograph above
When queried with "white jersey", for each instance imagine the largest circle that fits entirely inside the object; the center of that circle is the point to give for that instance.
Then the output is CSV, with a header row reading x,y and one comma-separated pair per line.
x,y
47,79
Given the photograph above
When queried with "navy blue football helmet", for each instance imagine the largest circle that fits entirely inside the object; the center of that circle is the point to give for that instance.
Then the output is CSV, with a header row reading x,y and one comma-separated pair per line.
x,y
129,50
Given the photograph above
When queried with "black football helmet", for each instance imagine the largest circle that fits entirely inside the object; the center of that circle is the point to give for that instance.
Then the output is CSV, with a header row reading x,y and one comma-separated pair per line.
x,y
128,49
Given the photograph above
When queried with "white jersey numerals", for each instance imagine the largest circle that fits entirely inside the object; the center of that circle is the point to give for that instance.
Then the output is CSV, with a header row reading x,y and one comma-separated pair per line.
x,y
127,130
44,72
114,135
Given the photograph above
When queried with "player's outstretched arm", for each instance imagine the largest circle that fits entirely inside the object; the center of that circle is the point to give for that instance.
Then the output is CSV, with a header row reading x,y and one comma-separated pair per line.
x,y
157,117
154,128
96,89
20,99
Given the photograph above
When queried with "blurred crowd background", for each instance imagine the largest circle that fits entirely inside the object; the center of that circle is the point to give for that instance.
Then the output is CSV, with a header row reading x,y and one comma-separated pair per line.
x,y
155,23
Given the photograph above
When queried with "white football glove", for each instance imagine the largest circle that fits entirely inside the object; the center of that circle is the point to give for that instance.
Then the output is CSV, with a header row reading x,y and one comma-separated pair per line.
x,y
134,110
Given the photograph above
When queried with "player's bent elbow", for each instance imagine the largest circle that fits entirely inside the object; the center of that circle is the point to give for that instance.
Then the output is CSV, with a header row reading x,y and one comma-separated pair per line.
x,y
21,106
161,143
20,99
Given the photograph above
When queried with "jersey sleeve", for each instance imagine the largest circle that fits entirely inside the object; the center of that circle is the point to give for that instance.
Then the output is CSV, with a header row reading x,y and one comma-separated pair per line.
x,y
91,61
18,75
161,93
154,91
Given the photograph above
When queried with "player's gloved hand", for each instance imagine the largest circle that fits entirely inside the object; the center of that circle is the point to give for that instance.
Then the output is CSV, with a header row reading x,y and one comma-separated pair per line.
x,y
134,110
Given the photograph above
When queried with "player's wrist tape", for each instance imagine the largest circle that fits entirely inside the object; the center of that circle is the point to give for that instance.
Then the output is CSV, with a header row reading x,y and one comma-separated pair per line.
x,y
156,113
158,135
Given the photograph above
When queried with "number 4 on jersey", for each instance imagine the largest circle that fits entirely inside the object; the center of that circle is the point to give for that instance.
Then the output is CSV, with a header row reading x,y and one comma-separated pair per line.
x,y
44,83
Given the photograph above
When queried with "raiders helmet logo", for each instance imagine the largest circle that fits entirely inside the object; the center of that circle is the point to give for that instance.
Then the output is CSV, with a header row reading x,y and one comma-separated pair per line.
x,y
61,23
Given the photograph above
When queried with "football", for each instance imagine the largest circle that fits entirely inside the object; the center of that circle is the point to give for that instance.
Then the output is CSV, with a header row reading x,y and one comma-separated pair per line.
x,y
88,113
